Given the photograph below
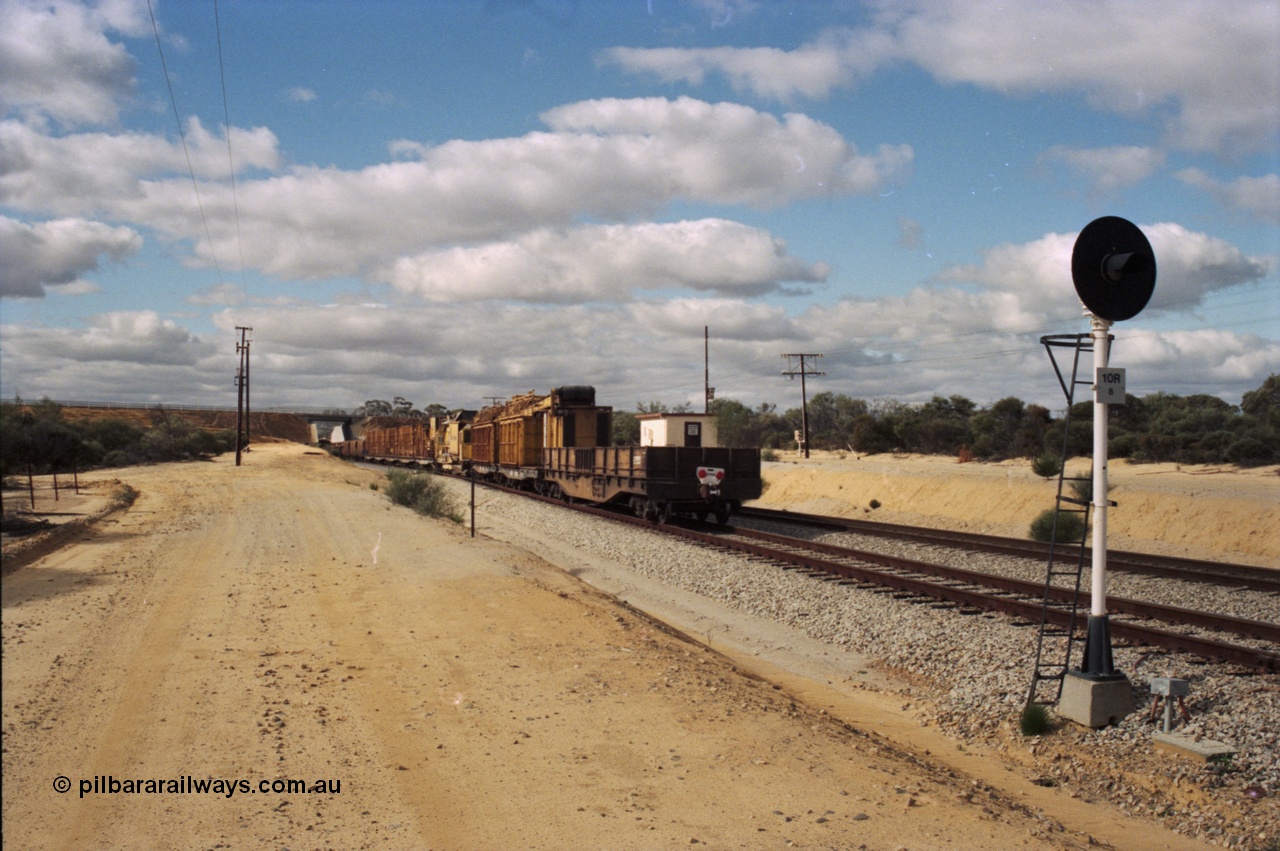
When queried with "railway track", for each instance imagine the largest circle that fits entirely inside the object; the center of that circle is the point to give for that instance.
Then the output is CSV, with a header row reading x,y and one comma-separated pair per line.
x,y
1256,644
1169,567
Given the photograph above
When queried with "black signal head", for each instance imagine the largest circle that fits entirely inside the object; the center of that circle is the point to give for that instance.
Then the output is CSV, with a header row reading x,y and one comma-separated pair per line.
x,y
1113,268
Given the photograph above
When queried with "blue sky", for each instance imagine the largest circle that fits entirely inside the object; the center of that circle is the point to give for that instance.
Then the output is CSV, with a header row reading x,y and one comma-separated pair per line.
x,y
452,200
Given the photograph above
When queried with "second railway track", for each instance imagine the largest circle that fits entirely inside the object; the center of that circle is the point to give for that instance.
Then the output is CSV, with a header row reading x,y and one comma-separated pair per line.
x,y
1169,567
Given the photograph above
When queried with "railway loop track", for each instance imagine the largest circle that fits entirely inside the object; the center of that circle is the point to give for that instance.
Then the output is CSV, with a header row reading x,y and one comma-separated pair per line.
x,y
973,592
1249,643
1169,567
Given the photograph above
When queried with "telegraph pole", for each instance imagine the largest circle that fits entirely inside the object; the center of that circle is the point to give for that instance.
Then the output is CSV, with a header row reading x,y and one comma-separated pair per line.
x,y
708,392
801,370
248,385
242,391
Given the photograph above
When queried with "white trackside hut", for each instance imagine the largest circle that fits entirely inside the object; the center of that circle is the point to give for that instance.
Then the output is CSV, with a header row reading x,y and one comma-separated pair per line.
x,y
686,431
668,429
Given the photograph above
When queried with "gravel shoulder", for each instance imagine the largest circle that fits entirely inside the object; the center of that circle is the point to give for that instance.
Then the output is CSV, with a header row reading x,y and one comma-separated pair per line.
x,y
282,621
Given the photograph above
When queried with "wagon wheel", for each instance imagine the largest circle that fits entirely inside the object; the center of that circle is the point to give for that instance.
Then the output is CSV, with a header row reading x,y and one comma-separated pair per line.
x,y
650,510
722,513
664,513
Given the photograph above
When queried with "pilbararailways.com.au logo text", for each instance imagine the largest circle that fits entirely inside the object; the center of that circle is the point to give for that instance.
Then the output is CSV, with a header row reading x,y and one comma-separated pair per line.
x,y
109,785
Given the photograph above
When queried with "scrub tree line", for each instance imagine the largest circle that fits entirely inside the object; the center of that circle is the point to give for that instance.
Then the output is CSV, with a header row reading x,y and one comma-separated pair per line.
x,y
37,437
1196,429
1158,427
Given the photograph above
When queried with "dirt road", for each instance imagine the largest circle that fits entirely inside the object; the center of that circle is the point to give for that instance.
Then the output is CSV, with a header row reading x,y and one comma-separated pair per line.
x,y
282,621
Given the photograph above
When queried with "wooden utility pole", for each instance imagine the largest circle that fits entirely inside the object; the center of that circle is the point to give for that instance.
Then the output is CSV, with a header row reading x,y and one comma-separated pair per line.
x,y
242,392
708,392
791,372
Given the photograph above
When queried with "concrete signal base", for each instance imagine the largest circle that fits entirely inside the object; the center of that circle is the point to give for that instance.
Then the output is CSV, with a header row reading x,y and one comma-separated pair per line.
x,y
1095,701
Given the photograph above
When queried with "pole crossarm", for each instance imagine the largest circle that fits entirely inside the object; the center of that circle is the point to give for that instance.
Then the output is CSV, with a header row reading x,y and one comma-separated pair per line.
x,y
802,370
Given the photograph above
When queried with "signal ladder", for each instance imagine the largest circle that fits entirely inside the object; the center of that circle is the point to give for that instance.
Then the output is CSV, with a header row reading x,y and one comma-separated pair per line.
x,y
1055,642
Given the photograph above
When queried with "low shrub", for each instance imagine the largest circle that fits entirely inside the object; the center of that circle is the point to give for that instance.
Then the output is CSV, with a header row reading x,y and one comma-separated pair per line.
x,y
1070,527
1034,720
424,494
1047,465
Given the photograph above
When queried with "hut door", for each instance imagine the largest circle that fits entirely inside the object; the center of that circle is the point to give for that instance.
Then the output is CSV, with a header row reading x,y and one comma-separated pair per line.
x,y
693,435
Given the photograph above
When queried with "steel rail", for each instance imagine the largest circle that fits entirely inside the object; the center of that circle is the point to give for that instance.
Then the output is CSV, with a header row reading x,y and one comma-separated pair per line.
x,y
1266,660
1171,567
1244,627
1030,610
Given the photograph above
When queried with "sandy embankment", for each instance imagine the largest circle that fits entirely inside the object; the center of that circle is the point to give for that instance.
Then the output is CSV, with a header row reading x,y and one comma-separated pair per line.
x,y
1210,512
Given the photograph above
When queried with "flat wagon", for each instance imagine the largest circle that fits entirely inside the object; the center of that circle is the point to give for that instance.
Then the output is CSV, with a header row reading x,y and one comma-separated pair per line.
x,y
657,482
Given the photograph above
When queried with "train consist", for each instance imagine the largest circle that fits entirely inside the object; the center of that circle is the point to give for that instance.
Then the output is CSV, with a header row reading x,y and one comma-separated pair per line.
x,y
558,445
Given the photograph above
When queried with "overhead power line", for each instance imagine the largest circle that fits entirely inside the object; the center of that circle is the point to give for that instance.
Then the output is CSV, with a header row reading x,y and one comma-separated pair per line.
x,y
231,164
155,28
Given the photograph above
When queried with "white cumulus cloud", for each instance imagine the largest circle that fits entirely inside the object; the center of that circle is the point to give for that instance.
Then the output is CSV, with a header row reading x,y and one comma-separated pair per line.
x,y
606,262
1108,169
1258,196
43,254
57,62
1213,69
1189,266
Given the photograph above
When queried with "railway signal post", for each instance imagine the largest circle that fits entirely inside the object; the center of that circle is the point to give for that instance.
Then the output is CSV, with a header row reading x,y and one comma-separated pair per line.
x,y
1114,271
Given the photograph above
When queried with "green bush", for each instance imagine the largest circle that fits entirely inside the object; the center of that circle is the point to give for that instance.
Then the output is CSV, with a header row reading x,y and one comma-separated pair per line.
x,y
1034,720
424,494
1046,466
1070,528
116,458
1249,451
